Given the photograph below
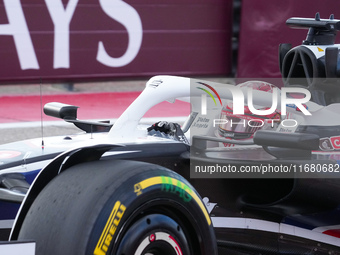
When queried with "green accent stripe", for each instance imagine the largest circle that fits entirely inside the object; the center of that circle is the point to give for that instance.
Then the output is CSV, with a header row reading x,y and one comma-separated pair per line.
x,y
212,89
208,94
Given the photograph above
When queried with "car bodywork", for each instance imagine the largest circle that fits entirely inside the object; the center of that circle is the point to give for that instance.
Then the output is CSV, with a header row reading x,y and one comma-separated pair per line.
x,y
248,214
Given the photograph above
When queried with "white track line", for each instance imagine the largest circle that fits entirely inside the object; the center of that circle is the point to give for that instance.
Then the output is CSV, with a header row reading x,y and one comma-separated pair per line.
x,y
33,124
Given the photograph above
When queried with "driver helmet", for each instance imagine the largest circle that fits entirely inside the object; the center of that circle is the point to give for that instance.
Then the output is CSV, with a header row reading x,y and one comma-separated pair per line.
x,y
244,126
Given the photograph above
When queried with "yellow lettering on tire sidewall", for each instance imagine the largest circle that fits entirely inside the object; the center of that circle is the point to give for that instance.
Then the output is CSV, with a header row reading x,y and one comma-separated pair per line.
x,y
110,228
169,184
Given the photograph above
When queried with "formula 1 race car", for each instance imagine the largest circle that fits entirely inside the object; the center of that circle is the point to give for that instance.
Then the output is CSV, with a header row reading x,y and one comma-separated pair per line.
x,y
253,170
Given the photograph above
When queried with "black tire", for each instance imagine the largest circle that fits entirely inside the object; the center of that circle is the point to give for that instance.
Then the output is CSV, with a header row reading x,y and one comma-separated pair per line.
x,y
121,208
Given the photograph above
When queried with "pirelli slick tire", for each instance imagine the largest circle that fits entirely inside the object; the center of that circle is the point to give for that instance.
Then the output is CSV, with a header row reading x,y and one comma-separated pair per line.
x,y
120,208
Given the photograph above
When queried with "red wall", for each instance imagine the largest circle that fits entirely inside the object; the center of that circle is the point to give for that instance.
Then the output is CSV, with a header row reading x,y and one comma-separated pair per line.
x,y
263,29
179,37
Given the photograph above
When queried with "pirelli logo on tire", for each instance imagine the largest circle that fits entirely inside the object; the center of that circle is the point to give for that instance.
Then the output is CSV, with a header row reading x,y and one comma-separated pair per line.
x,y
110,229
